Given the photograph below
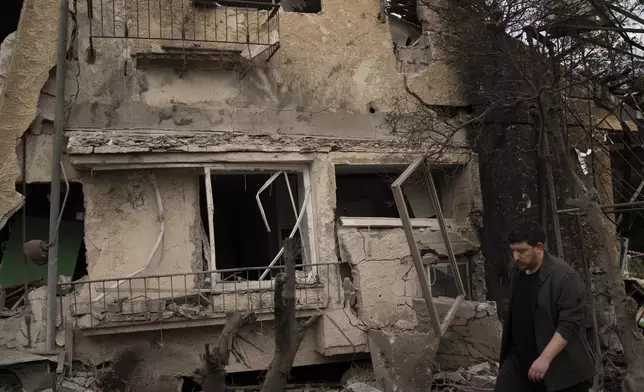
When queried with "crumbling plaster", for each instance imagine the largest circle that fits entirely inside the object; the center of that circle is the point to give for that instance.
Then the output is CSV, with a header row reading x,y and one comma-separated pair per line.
x,y
32,58
39,154
122,222
331,69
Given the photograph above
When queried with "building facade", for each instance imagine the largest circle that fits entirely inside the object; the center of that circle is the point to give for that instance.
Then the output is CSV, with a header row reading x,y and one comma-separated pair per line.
x,y
199,136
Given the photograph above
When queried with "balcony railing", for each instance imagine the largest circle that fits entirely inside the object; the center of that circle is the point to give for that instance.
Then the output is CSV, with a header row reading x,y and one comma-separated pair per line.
x,y
246,27
170,298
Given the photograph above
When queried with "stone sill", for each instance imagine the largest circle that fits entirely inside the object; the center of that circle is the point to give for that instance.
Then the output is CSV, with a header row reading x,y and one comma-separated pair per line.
x,y
143,326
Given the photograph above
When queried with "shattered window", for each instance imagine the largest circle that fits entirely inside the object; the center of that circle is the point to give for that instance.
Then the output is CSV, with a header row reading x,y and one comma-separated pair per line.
x,y
254,213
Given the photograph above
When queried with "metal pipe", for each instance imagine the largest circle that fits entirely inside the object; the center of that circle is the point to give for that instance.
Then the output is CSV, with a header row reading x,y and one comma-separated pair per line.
x,y
54,206
605,207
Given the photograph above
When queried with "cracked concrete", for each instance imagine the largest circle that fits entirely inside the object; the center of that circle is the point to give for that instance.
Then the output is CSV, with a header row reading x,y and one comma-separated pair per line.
x,y
383,274
474,337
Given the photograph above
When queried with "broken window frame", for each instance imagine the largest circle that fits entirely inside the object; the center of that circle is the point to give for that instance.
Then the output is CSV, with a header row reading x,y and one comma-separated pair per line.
x,y
440,327
306,225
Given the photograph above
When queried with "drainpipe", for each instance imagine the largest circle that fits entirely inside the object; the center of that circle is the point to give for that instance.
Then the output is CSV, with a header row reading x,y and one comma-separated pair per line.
x,y
54,205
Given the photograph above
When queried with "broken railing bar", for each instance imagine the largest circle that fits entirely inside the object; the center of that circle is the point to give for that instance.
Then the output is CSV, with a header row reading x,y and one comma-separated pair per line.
x,y
605,207
415,253
305,204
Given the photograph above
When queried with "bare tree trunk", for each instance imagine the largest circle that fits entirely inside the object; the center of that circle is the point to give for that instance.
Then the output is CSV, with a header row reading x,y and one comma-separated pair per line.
x,y
288,334
215,362
624,306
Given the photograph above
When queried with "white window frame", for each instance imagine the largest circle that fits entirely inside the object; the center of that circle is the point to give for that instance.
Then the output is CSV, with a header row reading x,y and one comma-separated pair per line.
x,y
308,222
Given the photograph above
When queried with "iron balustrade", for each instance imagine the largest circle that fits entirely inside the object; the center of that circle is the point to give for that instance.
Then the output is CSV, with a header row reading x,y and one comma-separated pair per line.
x,y
233,25
168,298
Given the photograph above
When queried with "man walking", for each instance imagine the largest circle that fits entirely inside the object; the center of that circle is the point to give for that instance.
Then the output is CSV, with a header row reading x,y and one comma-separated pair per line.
x,y
545,345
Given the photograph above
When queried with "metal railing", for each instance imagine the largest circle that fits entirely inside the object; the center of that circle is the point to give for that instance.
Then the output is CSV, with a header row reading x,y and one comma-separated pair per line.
x,y
196,22
169,298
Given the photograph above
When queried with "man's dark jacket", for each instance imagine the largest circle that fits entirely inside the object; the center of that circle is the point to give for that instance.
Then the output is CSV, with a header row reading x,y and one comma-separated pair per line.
x,y
561,306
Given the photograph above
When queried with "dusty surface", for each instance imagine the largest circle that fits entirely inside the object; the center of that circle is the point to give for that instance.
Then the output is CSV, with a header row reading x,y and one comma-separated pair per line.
x,y
33,56
331,69
403,360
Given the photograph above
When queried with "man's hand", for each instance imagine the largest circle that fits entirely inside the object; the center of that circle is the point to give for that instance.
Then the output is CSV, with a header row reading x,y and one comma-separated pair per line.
x,y
539,368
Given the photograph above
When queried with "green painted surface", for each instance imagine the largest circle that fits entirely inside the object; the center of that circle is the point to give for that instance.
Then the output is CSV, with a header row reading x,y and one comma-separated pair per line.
x,y
12,269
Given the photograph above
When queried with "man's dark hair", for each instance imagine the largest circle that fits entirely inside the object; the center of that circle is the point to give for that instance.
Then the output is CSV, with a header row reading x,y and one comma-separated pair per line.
x,y
527,231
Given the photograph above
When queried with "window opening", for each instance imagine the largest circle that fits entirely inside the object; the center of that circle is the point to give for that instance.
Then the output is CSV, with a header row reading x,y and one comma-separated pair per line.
x,y
241,235
365,191
302,6
72,256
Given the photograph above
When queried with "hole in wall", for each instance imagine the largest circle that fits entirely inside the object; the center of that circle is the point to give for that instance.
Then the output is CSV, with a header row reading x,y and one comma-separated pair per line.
x,y
71,249
372,110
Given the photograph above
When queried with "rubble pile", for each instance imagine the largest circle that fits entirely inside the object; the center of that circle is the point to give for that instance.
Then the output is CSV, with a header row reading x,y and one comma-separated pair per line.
x,y
477,377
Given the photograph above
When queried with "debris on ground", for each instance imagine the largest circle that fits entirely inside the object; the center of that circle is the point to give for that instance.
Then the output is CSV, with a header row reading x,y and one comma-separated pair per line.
x,y
477,377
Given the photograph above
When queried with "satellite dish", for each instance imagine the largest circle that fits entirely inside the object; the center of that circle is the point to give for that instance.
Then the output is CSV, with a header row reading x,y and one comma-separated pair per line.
x,y
36,251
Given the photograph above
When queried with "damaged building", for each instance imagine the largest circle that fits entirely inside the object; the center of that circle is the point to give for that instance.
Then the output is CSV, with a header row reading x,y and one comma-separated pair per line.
x,y
200,135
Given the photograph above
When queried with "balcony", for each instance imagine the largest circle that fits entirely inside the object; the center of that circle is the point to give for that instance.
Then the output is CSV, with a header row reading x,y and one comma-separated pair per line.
x,y
140,303
222,31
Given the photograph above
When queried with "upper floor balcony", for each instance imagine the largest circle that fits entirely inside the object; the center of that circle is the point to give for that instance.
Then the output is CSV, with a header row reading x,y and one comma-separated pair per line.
x,y
224,31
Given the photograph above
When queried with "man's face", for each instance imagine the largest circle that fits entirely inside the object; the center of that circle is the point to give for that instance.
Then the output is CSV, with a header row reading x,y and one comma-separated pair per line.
x,y
526,256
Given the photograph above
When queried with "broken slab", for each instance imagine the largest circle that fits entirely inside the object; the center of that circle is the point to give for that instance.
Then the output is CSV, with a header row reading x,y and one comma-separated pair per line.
x,y
384,277
360,387
474,336
338,333
34,54
403,360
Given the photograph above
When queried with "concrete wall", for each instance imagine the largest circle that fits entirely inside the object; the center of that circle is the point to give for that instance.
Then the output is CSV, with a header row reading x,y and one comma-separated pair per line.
x,y
331,69
122,222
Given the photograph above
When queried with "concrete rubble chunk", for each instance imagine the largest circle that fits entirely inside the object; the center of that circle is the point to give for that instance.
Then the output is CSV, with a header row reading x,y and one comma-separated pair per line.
x,y
473,337
360,387
481,368
403,361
